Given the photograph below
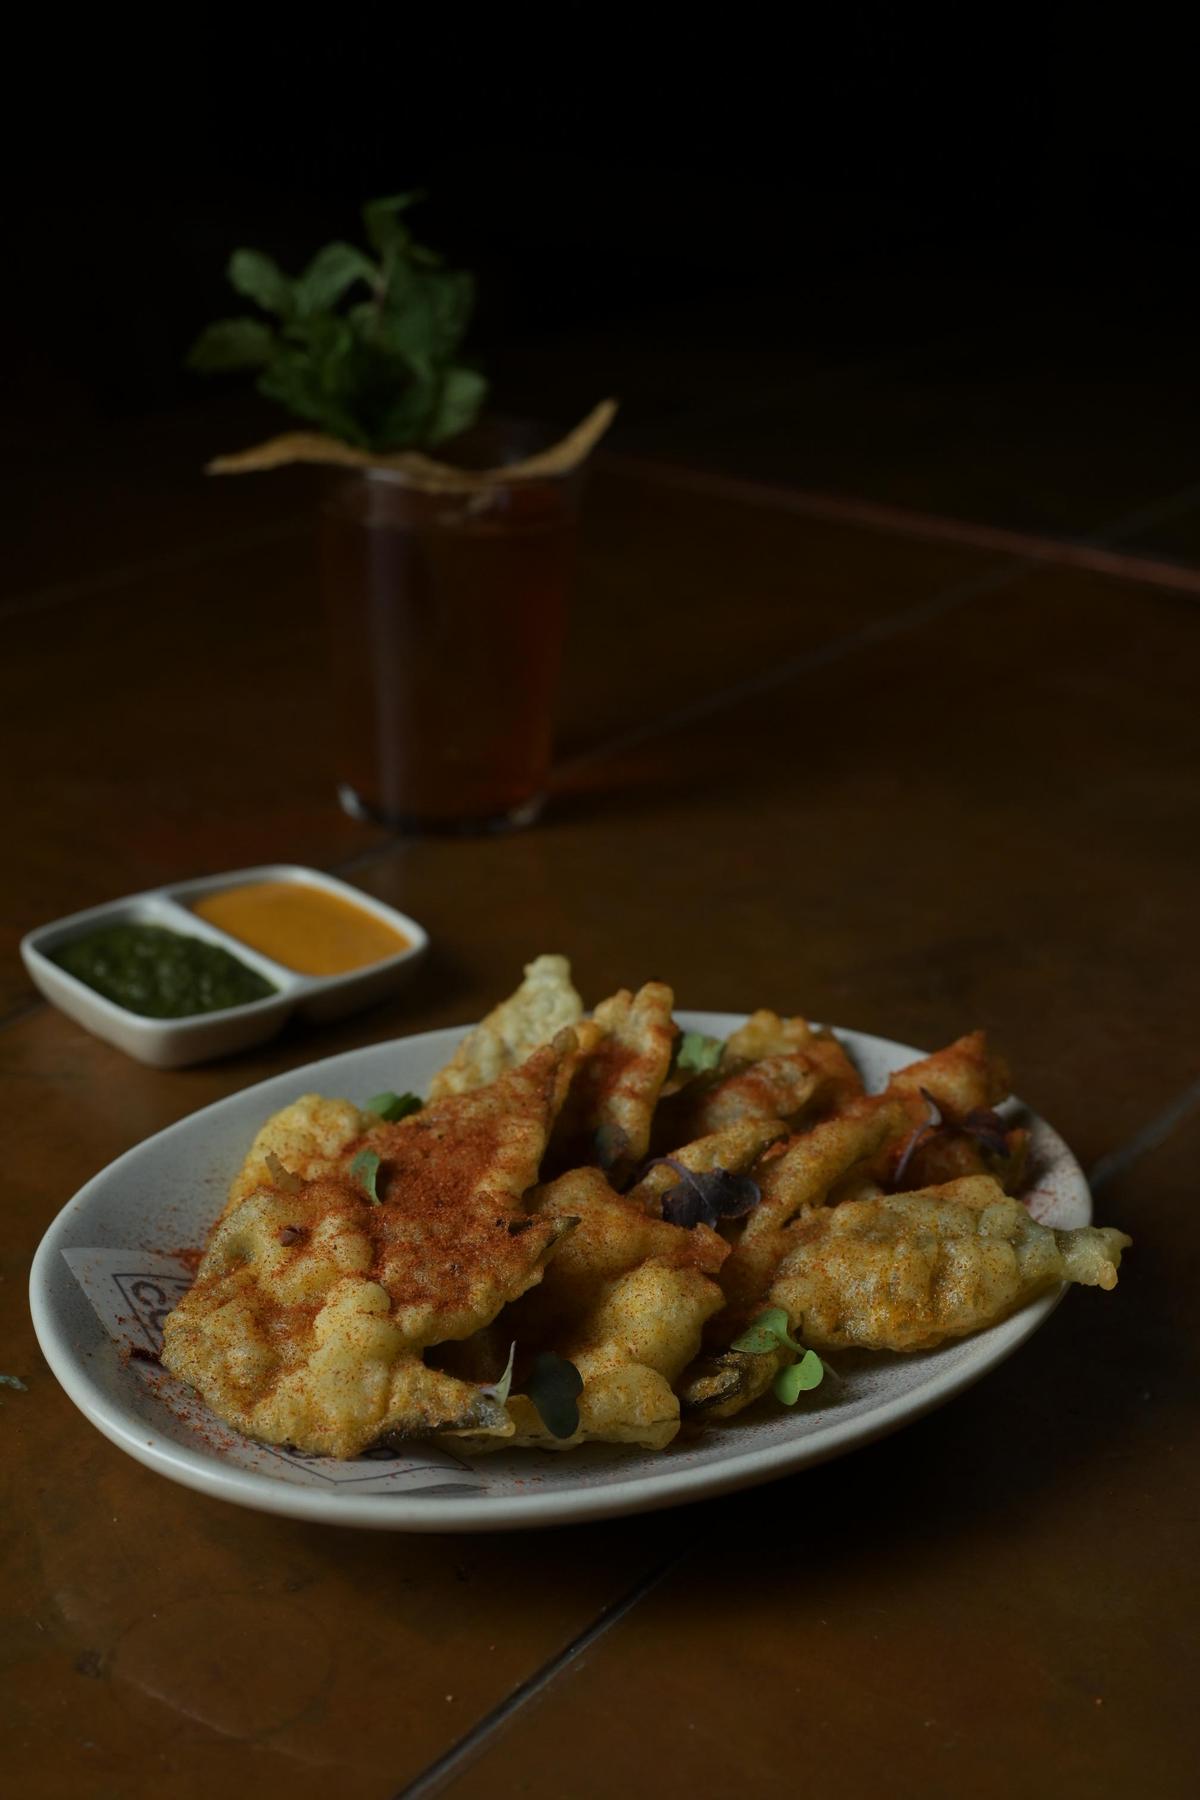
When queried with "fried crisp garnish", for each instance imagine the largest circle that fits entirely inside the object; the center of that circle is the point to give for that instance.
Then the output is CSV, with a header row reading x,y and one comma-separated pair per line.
x,y
308,1138
777,1087
625,1299
905,1271
612,1099
641,1331
735,1148
313,1304
542,1006
800,1176
963,1076
766,1034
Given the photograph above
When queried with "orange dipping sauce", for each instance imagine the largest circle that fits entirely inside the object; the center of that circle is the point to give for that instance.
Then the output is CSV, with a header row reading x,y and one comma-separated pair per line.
x,y
305,928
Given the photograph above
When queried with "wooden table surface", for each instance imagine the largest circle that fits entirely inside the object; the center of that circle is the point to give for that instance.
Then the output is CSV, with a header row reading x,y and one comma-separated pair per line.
x,y
812,758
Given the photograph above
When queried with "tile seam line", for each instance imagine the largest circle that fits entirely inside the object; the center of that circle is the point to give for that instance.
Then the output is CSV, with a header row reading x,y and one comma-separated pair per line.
x,y
1090,553
181,562
465,1749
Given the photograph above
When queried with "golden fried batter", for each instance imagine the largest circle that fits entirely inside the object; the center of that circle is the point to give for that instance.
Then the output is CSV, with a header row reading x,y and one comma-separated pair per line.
x,y
905,1271
312,1304
543,1005
608,1111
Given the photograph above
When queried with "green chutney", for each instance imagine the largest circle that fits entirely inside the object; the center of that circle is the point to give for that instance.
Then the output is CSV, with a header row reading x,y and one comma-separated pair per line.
x,y
159,973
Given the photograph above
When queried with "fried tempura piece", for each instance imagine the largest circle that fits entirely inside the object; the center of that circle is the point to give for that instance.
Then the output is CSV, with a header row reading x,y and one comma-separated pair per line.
x,y
964,1076
629,1348
736,1148
612,1099
543,1005
778,1087
766,1034
312,1304
309,1138
908,1270
625,1299
804,1175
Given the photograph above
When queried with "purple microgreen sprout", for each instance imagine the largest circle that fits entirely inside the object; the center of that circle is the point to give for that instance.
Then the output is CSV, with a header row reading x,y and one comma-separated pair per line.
x,y
554,1387
918,1137
705,1195
988,1129
365,1170
391,1106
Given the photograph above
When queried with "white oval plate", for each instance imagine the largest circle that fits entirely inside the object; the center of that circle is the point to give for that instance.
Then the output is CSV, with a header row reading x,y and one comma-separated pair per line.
x,y
166,1193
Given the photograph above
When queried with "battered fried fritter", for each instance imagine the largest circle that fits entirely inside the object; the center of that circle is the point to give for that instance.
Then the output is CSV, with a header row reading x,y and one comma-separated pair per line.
x,y
543,1005
607,1115
313,1305
908,1270
309,1138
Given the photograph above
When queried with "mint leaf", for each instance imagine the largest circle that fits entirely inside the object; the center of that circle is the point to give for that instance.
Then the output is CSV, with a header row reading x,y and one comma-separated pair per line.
x,y
393,1106
231,344
696,1054
381,220
799,1378
261,279
554,1387
458,404
499,1389
330,274
380,372
365,1170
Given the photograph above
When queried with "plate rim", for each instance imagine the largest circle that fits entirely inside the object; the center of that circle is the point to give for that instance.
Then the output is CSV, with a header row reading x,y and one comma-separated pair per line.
x,y
206,1473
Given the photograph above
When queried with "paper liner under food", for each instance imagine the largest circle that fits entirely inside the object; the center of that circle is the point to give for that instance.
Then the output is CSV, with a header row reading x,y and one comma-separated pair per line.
x,y
416,469
132,1291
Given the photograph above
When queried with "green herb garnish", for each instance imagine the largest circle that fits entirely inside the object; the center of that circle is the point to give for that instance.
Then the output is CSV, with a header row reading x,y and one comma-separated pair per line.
x,y
393,1106
696,1054
364,346
365,1170
554,1387
770,1332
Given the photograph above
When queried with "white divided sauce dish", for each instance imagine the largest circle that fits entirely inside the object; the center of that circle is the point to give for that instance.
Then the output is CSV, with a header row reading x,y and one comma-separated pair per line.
x,y
173,1043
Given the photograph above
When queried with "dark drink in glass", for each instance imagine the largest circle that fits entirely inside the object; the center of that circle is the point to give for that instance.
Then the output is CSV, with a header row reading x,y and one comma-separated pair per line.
x,y
447,613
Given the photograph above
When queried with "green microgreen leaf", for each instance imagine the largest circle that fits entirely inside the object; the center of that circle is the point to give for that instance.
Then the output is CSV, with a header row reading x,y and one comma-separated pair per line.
x,y
696,1054
766,1333
499,1389
365,1170
391,1106
554,1387
799,1378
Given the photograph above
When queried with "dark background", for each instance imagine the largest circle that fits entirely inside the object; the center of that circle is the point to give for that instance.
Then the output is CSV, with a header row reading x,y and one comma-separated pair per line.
x,y
711,219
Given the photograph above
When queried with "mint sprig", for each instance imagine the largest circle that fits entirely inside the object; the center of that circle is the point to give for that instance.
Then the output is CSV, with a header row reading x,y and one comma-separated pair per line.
x,y
769,1332
367,347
